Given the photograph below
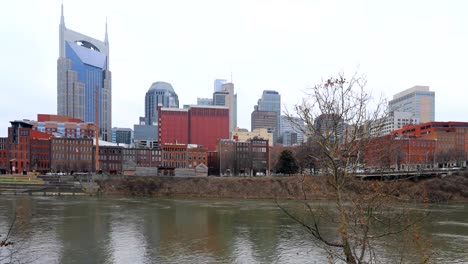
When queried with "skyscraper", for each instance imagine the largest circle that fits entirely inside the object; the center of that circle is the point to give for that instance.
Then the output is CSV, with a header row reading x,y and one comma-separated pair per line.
x,y
159,93
226,97
417,100
83,72
291,126
218,84
271,101
264,119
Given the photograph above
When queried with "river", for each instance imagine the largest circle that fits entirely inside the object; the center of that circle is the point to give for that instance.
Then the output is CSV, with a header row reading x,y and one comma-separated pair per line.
x,y
82,229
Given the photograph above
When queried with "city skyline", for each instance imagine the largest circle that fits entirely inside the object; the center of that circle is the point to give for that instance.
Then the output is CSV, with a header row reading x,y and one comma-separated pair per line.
x,y
397,45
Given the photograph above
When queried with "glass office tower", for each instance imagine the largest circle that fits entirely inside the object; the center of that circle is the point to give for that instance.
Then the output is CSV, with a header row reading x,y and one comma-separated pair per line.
x,y
82,73
159,93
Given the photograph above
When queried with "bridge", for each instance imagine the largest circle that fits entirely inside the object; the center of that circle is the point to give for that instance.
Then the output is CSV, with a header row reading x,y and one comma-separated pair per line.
x,y
409,175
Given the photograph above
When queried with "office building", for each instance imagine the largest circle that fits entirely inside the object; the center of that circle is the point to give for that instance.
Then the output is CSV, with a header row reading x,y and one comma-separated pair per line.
x,y
395,120
417,100
122,135
243,135
82,74
264,119
292,130
271,101
227,97
160,93
218,83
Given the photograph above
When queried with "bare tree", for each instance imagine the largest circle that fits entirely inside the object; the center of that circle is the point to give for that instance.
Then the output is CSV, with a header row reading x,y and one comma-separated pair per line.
x,y
338,115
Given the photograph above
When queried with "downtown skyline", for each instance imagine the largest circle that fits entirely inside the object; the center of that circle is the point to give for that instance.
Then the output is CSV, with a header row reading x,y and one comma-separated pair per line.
x,y
266,46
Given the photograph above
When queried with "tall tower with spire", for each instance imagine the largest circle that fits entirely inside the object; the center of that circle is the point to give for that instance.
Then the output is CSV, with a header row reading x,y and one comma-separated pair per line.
x,y
83,68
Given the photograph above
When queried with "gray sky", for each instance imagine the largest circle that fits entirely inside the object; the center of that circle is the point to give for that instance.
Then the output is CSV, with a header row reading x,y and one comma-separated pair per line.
x,y
277,45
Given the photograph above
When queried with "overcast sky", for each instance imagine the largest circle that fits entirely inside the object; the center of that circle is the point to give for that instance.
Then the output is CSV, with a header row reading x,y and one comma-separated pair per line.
x,y
285,46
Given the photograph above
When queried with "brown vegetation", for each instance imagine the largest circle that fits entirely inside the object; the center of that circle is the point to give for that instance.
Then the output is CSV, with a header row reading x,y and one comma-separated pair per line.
x,y
450,188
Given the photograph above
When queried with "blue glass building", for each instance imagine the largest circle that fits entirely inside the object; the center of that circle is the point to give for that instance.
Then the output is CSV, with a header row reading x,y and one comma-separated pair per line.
x,y
82,73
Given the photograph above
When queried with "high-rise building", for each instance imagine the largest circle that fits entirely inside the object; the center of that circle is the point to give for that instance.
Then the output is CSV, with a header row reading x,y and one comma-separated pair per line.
x,y
395,120
292,130
83,72
417,100
271,101
159,93
218,84
330,125
264,119
227,97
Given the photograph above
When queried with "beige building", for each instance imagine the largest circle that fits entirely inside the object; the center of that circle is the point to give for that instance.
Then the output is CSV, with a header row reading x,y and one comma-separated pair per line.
x,y
242,135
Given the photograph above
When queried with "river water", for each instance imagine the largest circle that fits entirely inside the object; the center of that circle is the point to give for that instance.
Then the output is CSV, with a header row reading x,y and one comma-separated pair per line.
x,y
82,229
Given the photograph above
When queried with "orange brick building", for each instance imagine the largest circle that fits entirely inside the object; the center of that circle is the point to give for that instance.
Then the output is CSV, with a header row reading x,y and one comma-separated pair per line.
x,y
451,139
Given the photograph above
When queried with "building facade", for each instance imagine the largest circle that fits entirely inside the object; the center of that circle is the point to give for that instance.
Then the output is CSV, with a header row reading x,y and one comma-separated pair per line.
x,y
264,119
226,97
160,93
204,101
243,135
173,125
218,83
417,100
271,101
395,120
63,126
71,154
122,135
200,125
451,140
207,125
4,162
249,158
82,74
292,130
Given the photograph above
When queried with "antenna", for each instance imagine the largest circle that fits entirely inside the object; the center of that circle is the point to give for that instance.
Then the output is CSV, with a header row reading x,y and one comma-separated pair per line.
x,y
231,73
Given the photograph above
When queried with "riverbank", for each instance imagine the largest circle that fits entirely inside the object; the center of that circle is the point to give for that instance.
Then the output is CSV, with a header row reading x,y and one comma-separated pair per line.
x,y
436,190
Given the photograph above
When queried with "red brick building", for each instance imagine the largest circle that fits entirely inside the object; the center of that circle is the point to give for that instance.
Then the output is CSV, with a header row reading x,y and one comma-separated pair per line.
x,y
40,155
65,126
400,153
207,125
4,163
451,139
71,154
200,125
173,125
183,156
18,145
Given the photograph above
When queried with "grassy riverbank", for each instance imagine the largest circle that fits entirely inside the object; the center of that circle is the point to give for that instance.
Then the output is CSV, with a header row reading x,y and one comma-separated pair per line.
x,y
450,188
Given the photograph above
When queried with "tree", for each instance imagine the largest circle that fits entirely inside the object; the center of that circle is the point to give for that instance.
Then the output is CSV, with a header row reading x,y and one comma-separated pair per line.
x,y
338,114
287,163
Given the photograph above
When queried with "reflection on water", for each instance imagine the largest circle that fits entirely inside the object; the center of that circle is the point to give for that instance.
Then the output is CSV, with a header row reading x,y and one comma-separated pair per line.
x,y
132,230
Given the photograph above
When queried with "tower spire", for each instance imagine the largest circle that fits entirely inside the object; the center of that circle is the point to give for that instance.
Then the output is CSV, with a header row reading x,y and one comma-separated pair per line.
x,y
106,38
62,19
62,34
